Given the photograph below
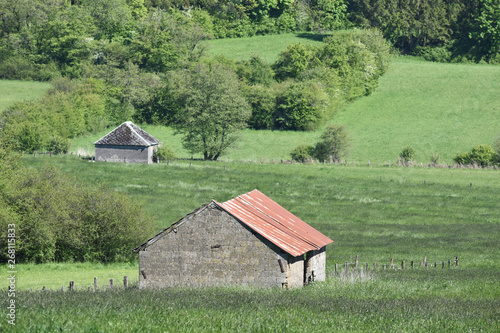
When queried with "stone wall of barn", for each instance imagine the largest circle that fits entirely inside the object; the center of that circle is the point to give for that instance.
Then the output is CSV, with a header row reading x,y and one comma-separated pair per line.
x,y
124,154
212,248
295,276
315,265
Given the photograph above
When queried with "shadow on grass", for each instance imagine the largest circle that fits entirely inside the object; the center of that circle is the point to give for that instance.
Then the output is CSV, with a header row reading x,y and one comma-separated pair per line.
x,y
313,36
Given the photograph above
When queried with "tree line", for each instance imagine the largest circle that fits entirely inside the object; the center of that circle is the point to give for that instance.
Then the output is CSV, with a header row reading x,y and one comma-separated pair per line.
x,y
117,60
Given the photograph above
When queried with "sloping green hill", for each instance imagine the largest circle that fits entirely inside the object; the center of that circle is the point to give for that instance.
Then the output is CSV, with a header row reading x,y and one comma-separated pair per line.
x,y
434,108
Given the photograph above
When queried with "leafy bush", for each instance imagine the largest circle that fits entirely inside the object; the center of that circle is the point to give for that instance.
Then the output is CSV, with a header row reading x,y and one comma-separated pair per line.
x,y
302,153
163,154
436,54
58,145
301,106
61,220
262,100
407,154
294,60
482,155
333,145
435,158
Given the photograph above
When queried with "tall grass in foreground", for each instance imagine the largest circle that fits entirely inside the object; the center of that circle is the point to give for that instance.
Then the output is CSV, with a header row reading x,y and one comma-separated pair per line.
x,y
391,301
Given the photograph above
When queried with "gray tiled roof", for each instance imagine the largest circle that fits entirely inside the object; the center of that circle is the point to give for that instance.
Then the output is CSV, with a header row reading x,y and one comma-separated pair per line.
x,y
128,134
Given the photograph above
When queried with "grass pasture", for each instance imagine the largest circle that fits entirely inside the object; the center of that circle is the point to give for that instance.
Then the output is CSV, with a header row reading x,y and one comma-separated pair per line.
x,y
12,91
374,212
266,47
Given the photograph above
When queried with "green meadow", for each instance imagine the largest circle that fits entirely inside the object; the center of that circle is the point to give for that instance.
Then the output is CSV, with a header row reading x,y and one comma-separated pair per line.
x,y
14,91
376,213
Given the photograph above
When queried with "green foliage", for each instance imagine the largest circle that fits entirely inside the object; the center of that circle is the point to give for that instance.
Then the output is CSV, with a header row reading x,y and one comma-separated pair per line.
x,y
60,220
407,155
31,126
255,71
294,60
482,155
164,154
58,145
263,103
435,158
213,106
302,153
486,28
300,106
333,144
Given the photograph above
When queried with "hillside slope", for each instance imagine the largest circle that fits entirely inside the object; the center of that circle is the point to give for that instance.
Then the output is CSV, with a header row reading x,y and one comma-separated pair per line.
x,y
432,107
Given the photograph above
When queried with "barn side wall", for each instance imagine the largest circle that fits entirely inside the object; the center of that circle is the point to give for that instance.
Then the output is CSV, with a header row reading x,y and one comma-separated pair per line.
x,y
295,276
213,248
315,265
126,154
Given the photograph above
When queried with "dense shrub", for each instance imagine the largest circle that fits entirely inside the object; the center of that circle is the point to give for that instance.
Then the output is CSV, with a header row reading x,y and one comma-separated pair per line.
x,y
407,155
58,219
255,71
164,154
59,115
333,144
482,155
262,100
300,106
294,60
302,153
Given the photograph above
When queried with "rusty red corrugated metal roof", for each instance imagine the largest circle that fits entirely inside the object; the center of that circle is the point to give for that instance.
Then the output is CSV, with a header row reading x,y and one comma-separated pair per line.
x,y
275,223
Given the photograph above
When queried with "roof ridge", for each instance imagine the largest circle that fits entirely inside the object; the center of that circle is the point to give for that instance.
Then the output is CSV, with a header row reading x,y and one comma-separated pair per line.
x,y
129,124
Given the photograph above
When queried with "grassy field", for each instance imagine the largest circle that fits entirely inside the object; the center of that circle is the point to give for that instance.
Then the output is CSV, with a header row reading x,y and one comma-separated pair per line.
x,y
14,91
374,212
266,47
434,108
377,213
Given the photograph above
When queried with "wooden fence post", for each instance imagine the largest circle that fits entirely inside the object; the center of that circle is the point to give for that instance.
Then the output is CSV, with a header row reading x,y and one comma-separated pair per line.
x,y
411,265
44,288
111,284
335,268
367,267
449,263
346,266
95,284
443,264
125,282
71,285
403,264
456,261
356,262
392,263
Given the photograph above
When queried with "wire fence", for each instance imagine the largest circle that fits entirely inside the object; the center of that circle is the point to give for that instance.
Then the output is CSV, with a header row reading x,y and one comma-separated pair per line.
x,y
394,264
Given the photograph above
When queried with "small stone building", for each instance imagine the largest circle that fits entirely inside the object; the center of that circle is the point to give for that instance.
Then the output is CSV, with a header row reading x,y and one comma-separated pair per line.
x,y
249,240
126,143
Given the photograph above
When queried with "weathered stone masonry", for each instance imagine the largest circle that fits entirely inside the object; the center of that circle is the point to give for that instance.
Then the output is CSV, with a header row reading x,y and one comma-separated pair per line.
x,y
210,248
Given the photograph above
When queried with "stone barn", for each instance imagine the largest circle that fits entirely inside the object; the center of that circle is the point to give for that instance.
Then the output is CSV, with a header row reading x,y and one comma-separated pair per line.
x,y
249,240
126,143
